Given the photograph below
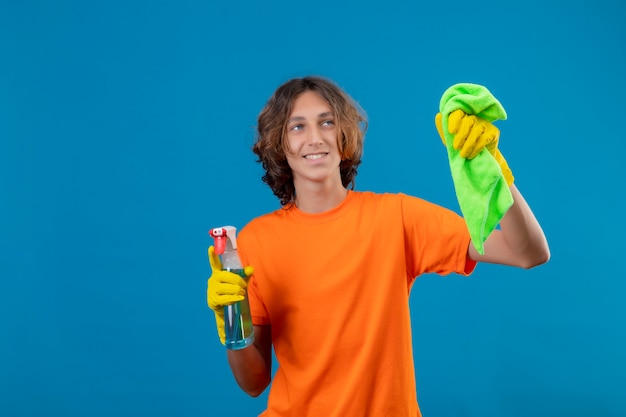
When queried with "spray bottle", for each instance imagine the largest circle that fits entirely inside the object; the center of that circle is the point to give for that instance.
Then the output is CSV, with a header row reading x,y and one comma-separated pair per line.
x,y
237,319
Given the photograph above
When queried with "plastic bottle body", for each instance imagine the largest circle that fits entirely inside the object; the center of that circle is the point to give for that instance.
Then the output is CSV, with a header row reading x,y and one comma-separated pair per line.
x,y
237,318
238,321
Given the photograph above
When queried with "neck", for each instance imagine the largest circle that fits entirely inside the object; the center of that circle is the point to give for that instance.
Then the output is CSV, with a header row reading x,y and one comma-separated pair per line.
x,y
320,199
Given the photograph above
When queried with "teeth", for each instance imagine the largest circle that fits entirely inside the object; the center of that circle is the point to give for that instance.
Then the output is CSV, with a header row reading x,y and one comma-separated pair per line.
x,y
315,156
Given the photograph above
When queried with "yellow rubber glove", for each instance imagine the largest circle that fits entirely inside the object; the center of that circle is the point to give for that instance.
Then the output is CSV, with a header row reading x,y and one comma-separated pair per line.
x,y
471,135
224,288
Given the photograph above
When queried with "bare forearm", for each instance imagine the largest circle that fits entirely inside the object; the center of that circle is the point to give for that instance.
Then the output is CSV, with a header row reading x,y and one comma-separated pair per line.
x,y
251,366
523,233
520,240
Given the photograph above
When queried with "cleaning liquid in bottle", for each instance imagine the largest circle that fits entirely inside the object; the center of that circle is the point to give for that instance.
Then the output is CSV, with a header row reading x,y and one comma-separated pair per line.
x,y
237,319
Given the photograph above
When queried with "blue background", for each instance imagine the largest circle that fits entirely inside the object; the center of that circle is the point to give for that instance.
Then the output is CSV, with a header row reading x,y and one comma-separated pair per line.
x,y
125,134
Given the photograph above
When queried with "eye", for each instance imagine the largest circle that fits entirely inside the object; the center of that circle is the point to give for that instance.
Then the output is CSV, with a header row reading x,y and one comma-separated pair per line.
x,y
328,123
296,127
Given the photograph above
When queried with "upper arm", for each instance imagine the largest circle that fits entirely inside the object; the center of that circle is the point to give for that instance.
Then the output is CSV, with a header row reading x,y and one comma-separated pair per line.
x,y
497,251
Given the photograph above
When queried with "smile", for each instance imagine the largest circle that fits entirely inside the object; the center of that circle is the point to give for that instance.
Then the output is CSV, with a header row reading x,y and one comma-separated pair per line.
x,y
315,155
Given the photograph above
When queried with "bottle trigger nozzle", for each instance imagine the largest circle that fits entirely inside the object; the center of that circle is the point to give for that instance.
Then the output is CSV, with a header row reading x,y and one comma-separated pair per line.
x,y
222,236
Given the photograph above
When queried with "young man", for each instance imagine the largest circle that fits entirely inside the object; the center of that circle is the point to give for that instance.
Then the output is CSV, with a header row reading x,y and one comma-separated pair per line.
x,y
333,267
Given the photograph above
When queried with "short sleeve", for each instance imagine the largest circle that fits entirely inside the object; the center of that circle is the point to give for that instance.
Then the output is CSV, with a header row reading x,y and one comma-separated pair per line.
x,y
436,239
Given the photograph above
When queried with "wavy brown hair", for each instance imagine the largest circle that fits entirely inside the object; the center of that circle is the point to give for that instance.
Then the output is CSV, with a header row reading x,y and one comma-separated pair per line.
x,y
270,144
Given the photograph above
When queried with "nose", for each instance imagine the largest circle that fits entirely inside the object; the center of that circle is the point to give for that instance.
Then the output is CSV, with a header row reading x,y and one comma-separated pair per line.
x,y
315,136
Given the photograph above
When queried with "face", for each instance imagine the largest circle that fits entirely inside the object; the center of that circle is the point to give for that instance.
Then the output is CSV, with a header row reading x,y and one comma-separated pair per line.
x,y
313,154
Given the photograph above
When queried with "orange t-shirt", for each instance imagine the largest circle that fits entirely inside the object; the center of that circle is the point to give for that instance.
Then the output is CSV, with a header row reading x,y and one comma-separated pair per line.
x,y
334,287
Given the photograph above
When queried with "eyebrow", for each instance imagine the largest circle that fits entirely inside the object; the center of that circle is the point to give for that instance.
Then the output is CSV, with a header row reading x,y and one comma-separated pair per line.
x,y
319,116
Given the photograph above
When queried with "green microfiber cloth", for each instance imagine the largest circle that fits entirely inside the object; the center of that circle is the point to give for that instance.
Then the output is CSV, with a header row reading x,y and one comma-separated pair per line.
x,y
483,194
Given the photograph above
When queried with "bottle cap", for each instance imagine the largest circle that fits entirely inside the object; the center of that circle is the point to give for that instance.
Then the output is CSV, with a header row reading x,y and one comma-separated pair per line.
x,y
222,236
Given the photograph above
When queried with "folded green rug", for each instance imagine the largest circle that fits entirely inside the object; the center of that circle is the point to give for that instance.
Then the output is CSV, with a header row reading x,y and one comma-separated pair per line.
x,y
483,194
